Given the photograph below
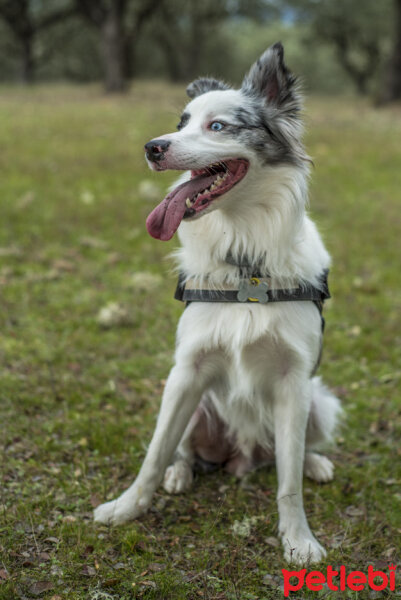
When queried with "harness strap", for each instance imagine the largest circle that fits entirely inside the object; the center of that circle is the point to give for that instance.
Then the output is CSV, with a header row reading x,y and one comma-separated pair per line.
x,y
252,289
255,289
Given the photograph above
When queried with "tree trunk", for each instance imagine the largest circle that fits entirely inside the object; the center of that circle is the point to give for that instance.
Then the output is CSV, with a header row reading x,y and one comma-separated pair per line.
x,y
113,50
361,83
171,52
392,89
195,49
129,58
28,61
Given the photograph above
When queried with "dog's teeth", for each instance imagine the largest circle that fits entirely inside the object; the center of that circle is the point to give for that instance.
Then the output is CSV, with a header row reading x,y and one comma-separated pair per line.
x,y
188,202
213,187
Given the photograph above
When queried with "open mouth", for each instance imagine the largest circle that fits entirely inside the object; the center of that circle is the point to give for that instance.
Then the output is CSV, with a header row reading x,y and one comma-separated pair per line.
x,y
194,196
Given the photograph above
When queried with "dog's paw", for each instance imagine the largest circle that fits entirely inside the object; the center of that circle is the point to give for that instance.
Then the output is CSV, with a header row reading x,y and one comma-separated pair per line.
x,y
318,467
178,477
302,550
127,507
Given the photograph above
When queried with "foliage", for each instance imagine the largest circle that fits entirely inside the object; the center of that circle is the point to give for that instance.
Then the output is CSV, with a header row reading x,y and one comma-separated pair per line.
x,y
359,34
26,19
334,44
79,401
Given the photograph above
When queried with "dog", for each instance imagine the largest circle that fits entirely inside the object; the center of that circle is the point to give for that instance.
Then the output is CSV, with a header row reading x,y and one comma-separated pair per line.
x,y
253,271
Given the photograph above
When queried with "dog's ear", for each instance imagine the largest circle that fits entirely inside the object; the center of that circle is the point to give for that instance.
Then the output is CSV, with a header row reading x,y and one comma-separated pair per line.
x,y
270,78
205,84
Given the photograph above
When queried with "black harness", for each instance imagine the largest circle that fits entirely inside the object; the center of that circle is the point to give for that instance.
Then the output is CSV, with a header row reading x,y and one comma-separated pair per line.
x,y
253,288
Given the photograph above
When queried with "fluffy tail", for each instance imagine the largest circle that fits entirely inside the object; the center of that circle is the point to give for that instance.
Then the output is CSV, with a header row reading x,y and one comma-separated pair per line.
x,y
324,415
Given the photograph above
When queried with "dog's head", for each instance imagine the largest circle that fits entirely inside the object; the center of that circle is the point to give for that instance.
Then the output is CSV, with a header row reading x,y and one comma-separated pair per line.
x,y
223,134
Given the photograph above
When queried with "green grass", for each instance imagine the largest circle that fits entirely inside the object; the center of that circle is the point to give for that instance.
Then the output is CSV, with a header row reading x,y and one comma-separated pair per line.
x,y
79,403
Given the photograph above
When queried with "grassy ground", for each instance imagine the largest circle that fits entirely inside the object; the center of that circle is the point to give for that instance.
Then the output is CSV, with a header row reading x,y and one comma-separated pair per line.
x,y
79,402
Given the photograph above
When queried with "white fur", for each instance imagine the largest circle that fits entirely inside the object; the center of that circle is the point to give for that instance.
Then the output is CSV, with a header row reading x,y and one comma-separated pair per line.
x,y
252,361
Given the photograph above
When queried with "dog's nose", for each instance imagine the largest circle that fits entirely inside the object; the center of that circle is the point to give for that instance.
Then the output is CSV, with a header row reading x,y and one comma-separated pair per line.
x,y
155,149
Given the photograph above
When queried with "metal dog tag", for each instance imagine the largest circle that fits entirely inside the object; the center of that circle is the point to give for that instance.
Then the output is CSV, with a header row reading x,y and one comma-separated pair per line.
x,y
253,290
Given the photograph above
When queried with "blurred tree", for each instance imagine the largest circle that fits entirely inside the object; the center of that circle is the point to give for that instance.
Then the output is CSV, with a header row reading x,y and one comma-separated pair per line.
x,y
392,85
188,29
118,23
184,31
356,30
26,19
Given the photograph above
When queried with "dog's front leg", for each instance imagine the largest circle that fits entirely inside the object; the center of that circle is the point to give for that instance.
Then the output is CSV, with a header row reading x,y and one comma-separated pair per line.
x,y
181,396
292,399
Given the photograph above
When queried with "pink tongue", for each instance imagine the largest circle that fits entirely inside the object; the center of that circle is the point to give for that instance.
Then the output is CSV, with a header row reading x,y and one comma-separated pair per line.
x,y
163,221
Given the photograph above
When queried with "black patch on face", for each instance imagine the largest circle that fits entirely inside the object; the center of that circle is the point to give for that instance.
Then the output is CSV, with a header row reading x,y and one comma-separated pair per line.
x,y
184,120
253,127
269,121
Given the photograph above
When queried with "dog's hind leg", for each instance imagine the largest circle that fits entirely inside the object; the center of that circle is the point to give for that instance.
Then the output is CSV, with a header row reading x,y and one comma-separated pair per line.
x,y
178,477
182,393
318,467
323,418
205,443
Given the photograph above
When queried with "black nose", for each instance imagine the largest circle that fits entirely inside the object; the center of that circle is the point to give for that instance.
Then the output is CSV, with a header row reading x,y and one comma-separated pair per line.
x,y
155,149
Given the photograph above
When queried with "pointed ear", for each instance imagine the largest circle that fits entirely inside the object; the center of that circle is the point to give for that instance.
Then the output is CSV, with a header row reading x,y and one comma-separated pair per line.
x,y
205,84
270,78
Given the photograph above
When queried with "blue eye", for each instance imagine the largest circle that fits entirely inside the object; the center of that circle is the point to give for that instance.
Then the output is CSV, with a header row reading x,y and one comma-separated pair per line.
x,y
216,126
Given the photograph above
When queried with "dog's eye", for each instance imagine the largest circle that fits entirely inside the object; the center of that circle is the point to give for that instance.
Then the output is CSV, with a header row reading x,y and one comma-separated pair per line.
x,y
216,126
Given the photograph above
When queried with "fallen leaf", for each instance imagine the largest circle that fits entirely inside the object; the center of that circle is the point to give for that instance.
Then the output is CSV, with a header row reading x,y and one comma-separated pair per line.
x,y
10,251
28,562
354,331
44,556
113,258
390,552
141,545
63,265
110,582
148,583
52,540
69,519
87,197
155,567
92,242
354,511
95,500
145,282
88,570
3,574
41,586
149,190
88,550
272,541
25,200
112,315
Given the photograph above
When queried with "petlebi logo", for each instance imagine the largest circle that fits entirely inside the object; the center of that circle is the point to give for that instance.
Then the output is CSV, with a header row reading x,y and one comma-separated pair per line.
x,y
340,580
